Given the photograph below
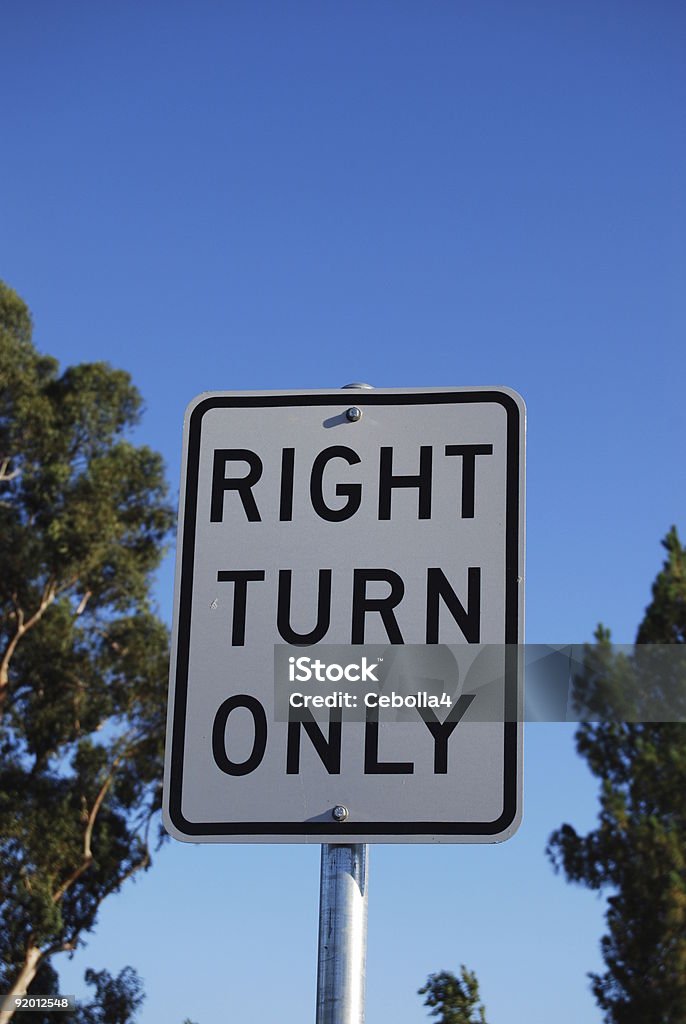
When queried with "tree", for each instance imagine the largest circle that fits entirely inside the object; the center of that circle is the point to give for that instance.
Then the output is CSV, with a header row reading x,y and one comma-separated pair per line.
x,y
638,850
116,999
454,1000
83,658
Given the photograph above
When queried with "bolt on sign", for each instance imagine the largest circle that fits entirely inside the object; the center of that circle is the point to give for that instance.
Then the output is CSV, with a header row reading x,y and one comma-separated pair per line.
x,y
325,536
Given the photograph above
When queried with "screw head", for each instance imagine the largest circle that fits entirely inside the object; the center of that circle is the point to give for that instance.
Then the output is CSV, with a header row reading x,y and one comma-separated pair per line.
x,y
354,414
339,813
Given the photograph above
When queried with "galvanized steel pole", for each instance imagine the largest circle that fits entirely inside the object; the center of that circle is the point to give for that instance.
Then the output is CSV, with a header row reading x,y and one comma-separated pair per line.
x,y
342,934
342,959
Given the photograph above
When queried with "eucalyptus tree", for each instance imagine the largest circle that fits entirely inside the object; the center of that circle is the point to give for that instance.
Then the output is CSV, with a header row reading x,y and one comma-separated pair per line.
x,y
84,517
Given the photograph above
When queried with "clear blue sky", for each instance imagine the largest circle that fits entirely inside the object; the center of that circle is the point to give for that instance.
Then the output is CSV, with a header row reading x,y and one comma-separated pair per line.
x,y
234,195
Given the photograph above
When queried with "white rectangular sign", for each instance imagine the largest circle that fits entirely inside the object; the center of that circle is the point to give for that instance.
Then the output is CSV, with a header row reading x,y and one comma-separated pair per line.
x,y
351,517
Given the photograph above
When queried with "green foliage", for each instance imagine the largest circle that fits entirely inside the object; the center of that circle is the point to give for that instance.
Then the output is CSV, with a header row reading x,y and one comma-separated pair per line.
x,y
638,850
664,621
83,658
116,999
454,1000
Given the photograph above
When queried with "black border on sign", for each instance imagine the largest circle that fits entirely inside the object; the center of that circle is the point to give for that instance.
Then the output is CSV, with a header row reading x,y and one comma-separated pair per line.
x,y
512,612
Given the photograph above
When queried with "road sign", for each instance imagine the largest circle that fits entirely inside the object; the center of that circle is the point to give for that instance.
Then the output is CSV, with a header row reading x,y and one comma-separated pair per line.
x,y
326,527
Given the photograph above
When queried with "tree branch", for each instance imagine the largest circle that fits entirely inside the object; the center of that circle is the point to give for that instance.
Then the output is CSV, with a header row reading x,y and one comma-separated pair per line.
x,y
23,627
83,602
71,942
88,835
27,973
5,472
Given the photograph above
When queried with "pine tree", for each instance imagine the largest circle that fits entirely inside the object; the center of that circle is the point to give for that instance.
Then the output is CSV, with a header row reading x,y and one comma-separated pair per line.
x,y
638,850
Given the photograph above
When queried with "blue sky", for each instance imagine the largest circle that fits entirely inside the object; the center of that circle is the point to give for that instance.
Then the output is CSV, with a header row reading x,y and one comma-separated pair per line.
x,y
233,195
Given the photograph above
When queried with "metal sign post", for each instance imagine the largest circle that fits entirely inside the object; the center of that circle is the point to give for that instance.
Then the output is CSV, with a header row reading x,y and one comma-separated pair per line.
x,y
342,934
342,948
